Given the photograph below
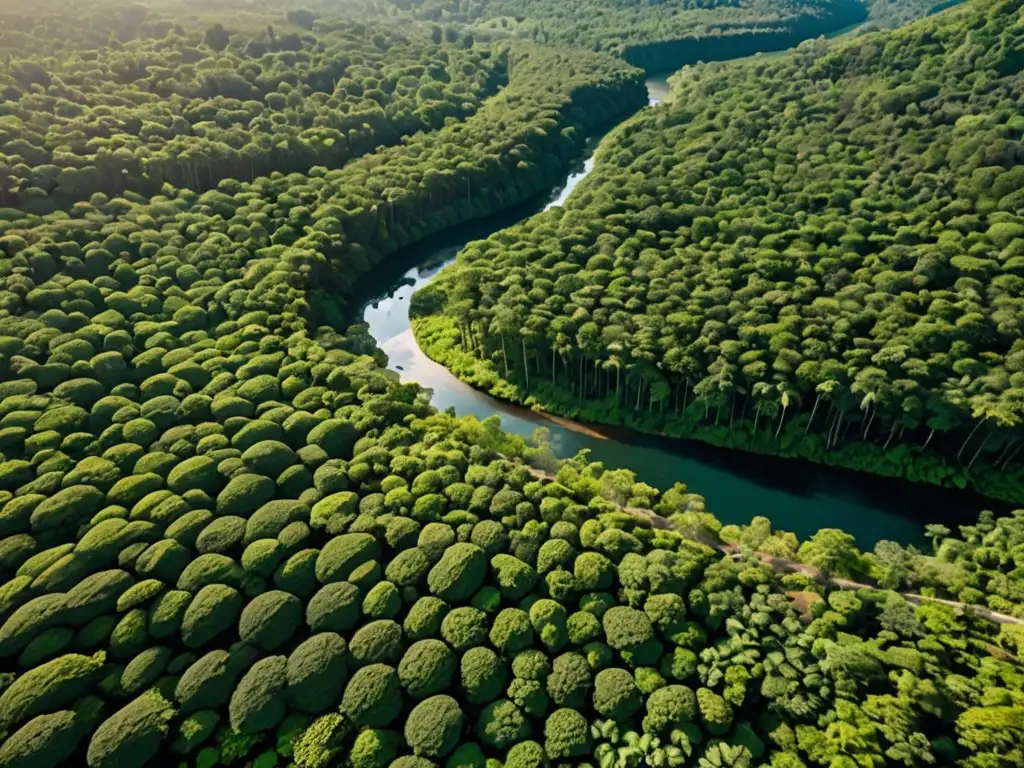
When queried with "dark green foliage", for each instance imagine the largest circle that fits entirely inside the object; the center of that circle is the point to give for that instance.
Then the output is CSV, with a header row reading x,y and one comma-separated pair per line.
x,y
258,703
214,609
48,687
269,620
502,724
317,672
372,696
132,735
433,726
427,668
334,608
376,642
482,675
566,734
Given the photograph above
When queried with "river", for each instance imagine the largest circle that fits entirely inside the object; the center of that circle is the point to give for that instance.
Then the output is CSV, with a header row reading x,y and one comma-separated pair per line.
x,y
796,496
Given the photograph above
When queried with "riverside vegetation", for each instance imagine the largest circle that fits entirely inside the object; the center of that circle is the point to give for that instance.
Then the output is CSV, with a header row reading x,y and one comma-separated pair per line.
x,y
230,537
815,255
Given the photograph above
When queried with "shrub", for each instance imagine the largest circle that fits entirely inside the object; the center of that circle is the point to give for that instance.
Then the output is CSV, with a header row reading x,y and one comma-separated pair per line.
x,y
483,675
270,619
531,664
425,618
714,711
211,568
48,687
195,473
167,612
548,619
376,642
373,696
269,457
215,609
30,619
334,608
427,668
244,494
43,742
258,703
526,754
434,540
271,518
511,631
554,554
317,672
464,627
490,536
433,726
615,694
383,601
582,627
459,573
408,567
569,682
593,571
467,755
206,684
501,725
297,574
165,560
514,577
131,736
139,594
221,535
67,509
374,748
669,707
566,734
94,596
145,668
529,695
343,554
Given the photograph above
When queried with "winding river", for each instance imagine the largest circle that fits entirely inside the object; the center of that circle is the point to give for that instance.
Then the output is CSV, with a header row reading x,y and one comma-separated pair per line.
x,y
797,496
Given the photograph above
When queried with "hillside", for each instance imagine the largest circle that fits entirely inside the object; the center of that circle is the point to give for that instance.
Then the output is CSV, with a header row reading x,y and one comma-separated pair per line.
x,y
816,255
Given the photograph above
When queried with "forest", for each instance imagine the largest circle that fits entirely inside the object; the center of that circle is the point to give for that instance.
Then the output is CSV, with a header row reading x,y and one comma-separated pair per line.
x,y
815,255
230,536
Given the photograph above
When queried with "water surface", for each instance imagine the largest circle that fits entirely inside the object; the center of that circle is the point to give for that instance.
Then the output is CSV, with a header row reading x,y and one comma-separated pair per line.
x,y
797,496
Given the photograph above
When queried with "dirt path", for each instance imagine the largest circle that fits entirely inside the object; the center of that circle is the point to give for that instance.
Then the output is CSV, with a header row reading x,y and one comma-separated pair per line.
x,y
784,565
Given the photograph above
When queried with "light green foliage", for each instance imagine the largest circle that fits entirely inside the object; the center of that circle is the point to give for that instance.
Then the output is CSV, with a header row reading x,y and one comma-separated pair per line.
x,y
566,734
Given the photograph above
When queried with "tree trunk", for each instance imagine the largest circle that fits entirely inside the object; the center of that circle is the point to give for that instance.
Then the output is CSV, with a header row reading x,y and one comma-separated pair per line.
x,y
889,439
639,391
814,410
981,447
781,419
960,452
931,434
504,356
553,365
1013,455
757,415
732,410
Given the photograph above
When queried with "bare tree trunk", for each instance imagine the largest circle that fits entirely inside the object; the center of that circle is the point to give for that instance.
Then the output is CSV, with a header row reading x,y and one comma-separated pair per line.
x,y
781,419
757,415
814,410
930,436
504,356
526,362
960,452
889,440
977,453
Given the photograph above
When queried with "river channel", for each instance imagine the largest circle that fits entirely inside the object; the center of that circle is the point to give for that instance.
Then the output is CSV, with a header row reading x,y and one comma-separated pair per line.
x,y
796,496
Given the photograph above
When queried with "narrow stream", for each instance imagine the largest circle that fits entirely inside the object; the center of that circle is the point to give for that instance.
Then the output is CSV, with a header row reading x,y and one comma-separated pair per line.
x,y
797,496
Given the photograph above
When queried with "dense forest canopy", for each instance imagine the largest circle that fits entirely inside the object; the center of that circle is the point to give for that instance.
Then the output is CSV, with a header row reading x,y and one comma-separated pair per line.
x,y
817,255
229,536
